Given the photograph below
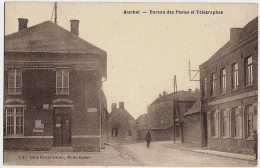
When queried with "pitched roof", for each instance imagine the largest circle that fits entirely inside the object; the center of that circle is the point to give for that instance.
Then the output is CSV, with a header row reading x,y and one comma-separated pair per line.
x,y
194,109
180,96
142,119
119,111
246,33
48,37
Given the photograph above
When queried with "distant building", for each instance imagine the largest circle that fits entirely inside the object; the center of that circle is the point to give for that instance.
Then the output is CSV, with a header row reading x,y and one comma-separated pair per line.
x,y
160,114
52,89
229,82
121,125
192,128
142,127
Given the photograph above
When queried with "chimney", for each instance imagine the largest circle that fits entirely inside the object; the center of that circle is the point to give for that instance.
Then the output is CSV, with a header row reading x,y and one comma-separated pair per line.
x,y
74,27
160,95
189,90
164,93
22,23
113,107
121,105
235,34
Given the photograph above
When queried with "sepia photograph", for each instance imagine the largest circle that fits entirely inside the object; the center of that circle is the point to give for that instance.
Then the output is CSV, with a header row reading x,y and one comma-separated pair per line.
x,y
130,84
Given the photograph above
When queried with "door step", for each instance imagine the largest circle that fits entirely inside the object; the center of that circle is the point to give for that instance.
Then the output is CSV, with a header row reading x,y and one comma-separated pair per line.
x,y
62,149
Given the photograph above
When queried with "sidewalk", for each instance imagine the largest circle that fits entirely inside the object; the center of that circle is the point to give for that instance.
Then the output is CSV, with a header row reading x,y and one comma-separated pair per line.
x,y
194,148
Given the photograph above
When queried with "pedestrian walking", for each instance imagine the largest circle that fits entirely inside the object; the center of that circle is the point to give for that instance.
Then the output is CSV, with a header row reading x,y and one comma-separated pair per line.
x,y
255,144
148,139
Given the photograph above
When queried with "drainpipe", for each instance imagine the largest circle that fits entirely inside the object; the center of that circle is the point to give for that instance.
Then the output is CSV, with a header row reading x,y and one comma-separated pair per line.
x,y
100,107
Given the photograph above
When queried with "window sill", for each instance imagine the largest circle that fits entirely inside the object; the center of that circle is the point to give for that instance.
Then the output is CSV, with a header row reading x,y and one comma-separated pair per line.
x,y
234,90
236,138
222,93
249,85
14,93
224,138
62,94
13,136
214,95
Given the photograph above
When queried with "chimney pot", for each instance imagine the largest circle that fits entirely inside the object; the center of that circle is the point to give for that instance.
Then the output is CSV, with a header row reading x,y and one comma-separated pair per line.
x,y
235,34
74,27
22,23
164,93
113,107
121,105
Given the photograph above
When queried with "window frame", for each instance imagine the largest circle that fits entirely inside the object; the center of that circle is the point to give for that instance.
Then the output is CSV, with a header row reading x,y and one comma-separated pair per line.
x,y
15,88
14,116
249,73
235,123
205,88
62,81
235,76
247,113
213,84
223,80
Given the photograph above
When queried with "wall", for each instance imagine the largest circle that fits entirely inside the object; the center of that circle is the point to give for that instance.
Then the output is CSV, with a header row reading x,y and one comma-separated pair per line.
x,y
192,129
39,87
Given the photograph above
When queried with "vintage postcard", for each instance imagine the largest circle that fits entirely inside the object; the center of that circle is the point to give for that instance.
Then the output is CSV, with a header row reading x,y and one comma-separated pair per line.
x,y
130,84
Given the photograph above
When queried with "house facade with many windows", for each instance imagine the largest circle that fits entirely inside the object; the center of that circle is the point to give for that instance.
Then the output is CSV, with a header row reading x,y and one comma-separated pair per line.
x,y
52,89
229,82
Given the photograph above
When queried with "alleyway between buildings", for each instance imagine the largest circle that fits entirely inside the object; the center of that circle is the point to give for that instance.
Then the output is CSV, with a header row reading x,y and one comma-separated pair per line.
x,y
163,153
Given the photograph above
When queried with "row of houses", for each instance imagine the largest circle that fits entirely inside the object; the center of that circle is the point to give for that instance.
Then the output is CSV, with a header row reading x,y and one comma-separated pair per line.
x,y
53,95
223,115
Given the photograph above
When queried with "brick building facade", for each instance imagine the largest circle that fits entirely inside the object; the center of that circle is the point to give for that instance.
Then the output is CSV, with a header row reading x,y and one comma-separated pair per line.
x,y
52,89
121,125
160,114
192,128
229,82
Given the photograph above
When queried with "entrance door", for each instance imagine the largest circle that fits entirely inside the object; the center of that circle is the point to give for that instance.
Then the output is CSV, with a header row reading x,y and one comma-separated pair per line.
x,y
62,130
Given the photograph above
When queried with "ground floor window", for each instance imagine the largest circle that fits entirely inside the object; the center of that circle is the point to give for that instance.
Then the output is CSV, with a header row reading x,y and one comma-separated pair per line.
x,y
214,124
114,132
129,132
240,122
14,120
250,120
236,124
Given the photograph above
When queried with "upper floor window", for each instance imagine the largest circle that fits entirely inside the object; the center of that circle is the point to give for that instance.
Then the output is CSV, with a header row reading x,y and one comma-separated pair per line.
x,y
249,70
213,87
14,120
15,81
223,80
205,87
235,76
62,81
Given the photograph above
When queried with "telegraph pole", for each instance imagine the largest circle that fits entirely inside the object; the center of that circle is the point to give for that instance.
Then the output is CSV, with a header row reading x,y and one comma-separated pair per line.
x,y
174,111
55,8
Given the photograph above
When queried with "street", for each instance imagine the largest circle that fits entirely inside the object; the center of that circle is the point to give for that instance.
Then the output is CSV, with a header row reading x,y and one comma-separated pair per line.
x,y
159,155
134,154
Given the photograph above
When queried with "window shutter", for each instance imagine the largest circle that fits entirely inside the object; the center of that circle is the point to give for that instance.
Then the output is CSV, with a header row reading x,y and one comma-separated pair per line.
x,y
255,116
242,132
228,122
232,123
209,124
217,123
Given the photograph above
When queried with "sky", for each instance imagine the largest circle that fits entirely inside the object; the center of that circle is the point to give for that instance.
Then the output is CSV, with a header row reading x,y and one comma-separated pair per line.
x,y
144,51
